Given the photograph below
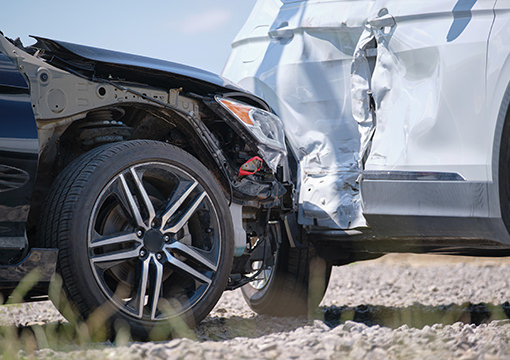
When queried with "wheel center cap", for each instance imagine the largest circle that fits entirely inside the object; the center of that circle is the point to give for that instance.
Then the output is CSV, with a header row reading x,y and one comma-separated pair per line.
x,y
153,240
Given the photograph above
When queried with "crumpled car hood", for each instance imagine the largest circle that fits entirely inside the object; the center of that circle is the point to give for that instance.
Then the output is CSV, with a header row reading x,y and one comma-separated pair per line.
x,y
134,67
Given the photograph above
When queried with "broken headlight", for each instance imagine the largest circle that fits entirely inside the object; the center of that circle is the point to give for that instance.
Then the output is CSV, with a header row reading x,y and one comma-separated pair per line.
x,y
267,127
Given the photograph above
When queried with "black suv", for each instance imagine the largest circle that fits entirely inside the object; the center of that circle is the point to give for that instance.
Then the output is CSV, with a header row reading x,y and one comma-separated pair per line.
x,y
137,180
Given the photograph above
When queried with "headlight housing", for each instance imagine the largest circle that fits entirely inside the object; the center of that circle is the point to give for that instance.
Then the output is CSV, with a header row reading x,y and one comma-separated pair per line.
x,y
266,127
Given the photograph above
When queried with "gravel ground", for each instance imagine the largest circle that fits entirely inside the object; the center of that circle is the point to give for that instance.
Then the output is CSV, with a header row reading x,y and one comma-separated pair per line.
x,y
396,307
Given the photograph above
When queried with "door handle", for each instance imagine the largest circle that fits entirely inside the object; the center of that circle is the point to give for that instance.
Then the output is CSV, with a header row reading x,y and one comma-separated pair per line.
x,y
282,33
382,21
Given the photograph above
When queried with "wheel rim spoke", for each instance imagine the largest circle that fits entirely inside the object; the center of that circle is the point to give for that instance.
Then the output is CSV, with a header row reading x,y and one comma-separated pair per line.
x,y
117,256
139,299
145,196
195,255
174,204
187,214
186,268
158,278
132,204
115,240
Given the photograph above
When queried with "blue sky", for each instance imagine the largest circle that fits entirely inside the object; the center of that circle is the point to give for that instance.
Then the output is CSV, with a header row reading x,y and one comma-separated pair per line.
x,y
193,32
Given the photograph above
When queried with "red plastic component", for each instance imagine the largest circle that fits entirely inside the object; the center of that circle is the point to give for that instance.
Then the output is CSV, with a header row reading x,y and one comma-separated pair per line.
x,y
251,166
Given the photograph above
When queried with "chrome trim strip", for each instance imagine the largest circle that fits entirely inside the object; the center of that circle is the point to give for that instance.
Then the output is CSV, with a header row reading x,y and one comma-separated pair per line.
x,y
411,175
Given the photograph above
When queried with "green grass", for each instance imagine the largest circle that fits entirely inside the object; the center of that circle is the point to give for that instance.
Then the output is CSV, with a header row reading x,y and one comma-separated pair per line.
x,y
75,334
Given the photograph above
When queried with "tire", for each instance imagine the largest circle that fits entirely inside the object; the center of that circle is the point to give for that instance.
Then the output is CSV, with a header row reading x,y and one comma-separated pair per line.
x,y
293,286
144,236
504,172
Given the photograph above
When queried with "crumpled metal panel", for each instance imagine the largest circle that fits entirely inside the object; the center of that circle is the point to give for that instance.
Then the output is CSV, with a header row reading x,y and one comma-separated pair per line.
x,y
383,86
298,56
428,86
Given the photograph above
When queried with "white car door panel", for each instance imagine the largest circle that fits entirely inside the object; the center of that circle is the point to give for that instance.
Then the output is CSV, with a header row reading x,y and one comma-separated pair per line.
x,y
429,87
302,68
409,111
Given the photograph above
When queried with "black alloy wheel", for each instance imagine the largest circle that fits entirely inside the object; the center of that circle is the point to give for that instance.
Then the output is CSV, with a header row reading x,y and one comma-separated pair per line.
x,y
144,228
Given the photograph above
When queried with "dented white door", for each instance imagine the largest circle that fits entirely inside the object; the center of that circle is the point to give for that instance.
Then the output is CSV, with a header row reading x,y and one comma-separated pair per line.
x,y
297,55
429,87
391,88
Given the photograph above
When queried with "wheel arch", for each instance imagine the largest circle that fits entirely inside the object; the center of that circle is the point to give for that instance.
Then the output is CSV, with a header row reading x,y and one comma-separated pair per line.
x,y
495,188
143,123
136,122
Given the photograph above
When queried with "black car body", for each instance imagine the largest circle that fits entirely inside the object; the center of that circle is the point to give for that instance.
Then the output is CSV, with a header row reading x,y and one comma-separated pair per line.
x,y
62,104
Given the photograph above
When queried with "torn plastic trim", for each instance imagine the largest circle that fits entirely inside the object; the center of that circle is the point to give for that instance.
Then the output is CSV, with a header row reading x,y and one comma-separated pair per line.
x,y
264,126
